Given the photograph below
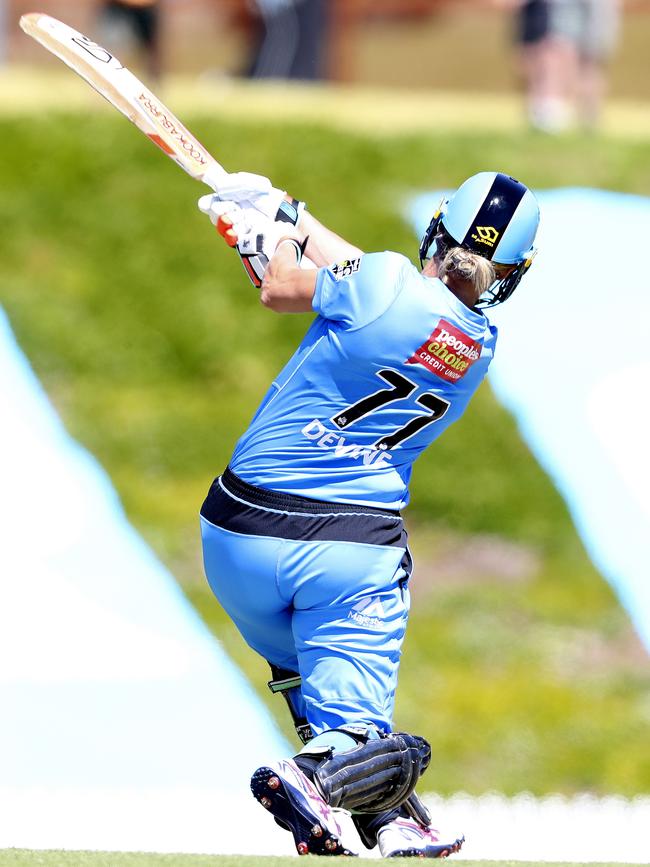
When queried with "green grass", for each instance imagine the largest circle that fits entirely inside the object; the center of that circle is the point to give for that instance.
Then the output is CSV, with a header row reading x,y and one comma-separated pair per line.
x,y
57,858
520,666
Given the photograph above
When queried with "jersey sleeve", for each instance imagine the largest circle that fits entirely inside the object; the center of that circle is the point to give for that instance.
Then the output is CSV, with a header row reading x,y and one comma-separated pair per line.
x,y
358,291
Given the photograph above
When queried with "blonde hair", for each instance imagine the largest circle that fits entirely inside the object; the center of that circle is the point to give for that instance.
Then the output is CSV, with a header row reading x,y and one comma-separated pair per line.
x,y
468,267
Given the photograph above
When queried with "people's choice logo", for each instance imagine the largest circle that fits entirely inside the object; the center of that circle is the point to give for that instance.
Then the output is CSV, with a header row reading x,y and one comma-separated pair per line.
x,y
448,352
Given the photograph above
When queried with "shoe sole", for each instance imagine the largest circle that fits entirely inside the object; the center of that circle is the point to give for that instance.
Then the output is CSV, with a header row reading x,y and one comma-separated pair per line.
x,y
290,810
429,851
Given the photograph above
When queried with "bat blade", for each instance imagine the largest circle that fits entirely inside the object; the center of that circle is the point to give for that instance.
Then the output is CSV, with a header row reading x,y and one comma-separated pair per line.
x,y
104,72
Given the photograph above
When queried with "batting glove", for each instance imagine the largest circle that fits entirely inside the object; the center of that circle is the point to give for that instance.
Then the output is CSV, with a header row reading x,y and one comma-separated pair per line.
x,y
256,191
254,235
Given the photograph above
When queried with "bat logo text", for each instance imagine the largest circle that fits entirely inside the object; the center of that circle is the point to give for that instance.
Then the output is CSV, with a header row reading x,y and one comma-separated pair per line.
x,y
181,136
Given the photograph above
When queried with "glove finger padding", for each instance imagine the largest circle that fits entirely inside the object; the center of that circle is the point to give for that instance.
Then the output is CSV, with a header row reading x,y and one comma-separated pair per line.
x,y
226,228
250,191
257,194
214,207
243,187
376,775
229,219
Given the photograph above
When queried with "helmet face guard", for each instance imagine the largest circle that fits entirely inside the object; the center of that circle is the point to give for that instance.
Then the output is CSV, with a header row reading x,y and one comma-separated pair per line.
x,y
494,216
503,288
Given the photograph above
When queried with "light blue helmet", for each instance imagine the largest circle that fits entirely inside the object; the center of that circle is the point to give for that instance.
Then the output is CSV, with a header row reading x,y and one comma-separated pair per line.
x,y
495,216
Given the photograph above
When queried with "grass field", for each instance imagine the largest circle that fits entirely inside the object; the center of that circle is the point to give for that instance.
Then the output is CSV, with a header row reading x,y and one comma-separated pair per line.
x,y
33,858
156,351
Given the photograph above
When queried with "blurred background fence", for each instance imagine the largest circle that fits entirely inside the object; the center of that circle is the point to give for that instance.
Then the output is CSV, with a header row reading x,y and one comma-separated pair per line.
x,y
448,44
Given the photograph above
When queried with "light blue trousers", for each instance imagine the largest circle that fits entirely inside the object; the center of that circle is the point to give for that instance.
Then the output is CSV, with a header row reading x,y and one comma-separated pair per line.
x,y
333,611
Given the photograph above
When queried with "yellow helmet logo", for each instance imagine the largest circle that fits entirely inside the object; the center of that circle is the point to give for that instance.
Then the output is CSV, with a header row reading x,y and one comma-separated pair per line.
x,y
486,235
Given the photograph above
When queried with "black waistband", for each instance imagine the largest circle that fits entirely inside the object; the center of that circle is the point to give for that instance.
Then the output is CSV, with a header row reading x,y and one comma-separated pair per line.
x,y
290,502
240,507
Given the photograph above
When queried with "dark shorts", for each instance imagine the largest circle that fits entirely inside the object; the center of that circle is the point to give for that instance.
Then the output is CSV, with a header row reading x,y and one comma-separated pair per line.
x,y
533,22
143,20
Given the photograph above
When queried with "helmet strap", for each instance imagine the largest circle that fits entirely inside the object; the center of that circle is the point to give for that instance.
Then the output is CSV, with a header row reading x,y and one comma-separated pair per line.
x,y
431,232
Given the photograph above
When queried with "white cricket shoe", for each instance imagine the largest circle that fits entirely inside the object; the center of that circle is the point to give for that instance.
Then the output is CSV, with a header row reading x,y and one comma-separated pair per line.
x,y
405,838
297,806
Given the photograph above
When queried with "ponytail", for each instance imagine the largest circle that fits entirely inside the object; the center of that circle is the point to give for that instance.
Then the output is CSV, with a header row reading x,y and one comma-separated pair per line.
x,y
469,267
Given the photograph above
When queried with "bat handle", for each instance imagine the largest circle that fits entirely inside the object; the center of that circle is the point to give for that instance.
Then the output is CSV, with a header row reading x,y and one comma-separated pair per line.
x,y
214,175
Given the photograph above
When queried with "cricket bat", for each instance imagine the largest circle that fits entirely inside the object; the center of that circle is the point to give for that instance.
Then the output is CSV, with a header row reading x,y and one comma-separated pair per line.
x,y
104,72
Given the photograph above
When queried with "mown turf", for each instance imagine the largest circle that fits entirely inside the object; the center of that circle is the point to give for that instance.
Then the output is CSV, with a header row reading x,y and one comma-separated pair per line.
x,y
57,858
519,666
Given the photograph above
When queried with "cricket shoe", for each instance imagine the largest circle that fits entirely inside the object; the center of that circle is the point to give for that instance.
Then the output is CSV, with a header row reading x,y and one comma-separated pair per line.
x,y
405,838
296,805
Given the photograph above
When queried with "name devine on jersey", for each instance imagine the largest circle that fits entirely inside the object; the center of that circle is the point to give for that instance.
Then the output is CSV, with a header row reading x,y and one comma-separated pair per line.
x,y
341,447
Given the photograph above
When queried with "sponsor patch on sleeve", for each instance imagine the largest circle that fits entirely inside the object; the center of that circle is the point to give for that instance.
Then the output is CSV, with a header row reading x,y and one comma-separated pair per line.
x,y
448,352
346,269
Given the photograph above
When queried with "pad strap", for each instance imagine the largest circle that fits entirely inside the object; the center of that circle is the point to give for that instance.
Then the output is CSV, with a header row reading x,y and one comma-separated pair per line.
x,y
283,682
414,807
368,825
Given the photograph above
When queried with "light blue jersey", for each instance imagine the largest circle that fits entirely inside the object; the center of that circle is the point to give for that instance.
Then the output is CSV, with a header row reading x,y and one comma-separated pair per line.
x,y
390,361
321,588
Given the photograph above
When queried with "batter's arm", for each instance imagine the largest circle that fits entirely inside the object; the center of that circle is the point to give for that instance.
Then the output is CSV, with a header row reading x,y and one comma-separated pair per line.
x,y
324,247
286,287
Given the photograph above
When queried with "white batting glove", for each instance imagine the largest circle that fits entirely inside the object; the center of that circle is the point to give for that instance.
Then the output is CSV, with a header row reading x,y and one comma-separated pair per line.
x,y
223,214
244,187
254,235
257,239
239,226
250,190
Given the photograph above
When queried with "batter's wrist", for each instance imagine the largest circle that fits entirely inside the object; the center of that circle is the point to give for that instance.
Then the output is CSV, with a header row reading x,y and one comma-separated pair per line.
x,y
293,242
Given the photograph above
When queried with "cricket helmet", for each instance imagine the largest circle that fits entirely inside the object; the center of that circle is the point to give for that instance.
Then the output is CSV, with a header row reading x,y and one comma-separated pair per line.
x,y
495,216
